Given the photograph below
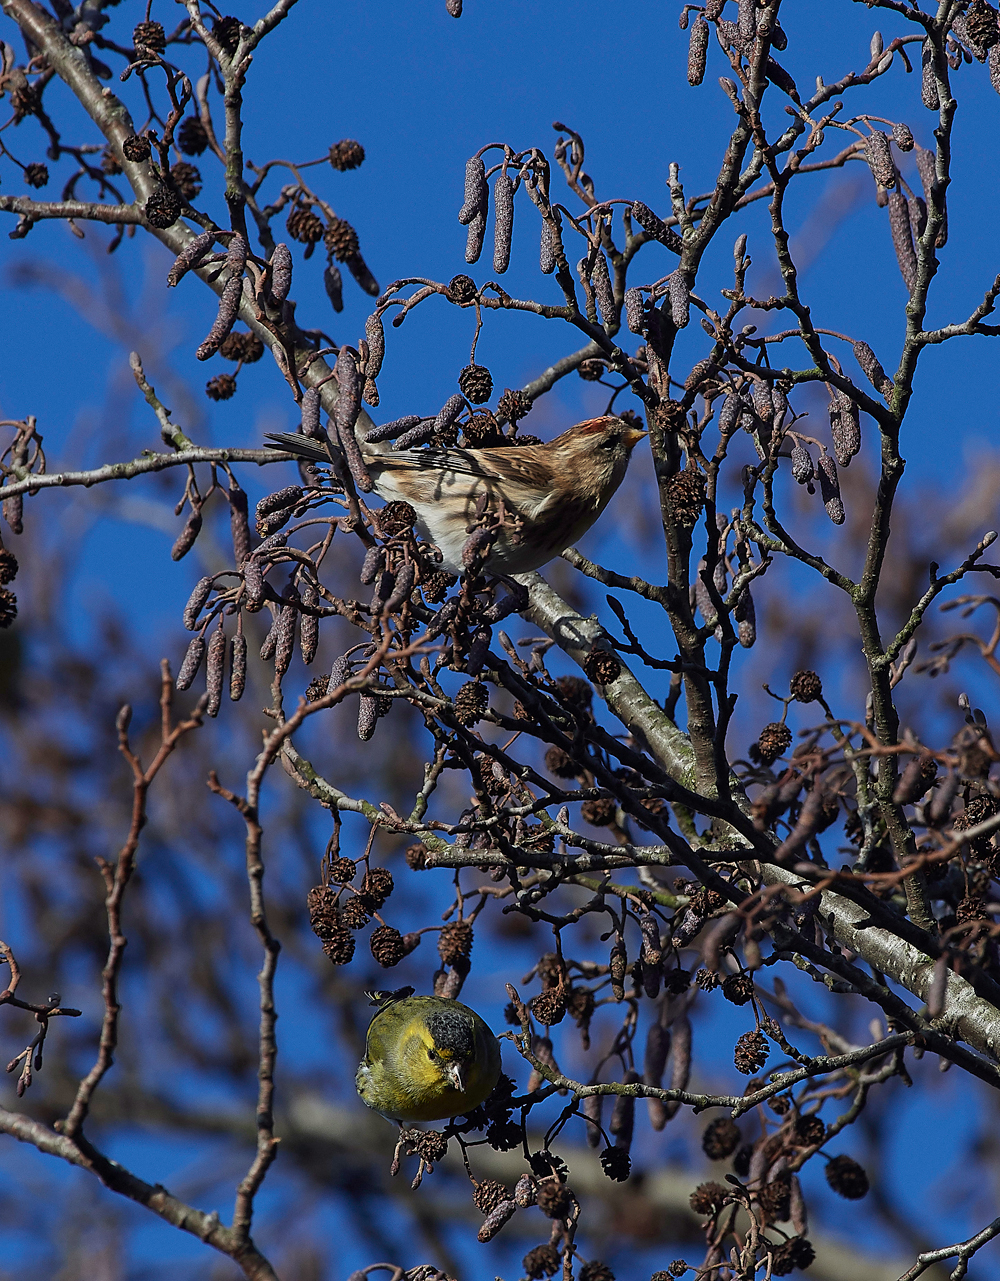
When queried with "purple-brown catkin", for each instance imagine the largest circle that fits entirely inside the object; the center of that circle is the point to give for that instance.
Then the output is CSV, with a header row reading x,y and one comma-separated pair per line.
x,y
680,299
602,289
402,589
13,511
309,624
347,409
746,21
879,158
802,464
270,640
253,583
591,1109
215,670
760,393
192,661
367,717
285,638
358,268
928,80
281,273
503,222
372,563
389,431
697,51
994,65
927,168
189,257
656,227
196,601
375,334
476,191
185,539
729,415
239,524
918,215
902,136
680,1072
872,370
745,617
845,427
476,237
622,1120
229,303
634,311
551,243
310,414
902,238
653,1064
418,435
238,669
829,484
449,411
333,283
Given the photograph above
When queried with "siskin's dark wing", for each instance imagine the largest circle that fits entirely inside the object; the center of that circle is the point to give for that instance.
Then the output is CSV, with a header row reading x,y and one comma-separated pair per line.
x,y
303,446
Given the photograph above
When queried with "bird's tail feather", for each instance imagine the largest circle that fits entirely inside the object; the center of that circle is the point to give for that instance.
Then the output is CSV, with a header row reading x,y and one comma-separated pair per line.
x,y
303,446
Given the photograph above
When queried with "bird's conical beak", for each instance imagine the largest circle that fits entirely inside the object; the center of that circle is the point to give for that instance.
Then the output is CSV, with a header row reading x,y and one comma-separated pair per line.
x,y
456,1075
632,437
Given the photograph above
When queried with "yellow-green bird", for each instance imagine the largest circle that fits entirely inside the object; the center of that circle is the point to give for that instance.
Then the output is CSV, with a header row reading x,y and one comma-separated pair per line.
x,y
426,1058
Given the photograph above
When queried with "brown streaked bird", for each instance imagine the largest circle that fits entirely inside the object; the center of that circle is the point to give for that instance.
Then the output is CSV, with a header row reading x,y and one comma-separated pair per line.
x,y
554,491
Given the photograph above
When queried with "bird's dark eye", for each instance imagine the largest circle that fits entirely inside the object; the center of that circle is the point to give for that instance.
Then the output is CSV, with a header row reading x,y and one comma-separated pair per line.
x,y
610,442
431,1055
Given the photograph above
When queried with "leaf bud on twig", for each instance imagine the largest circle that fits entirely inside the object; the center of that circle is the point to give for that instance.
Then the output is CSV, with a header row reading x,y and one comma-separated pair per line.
x,y
503,222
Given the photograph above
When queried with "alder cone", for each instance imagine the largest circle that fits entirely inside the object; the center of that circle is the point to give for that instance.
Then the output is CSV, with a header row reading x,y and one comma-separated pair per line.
x,y
774,740
341,239
847,1178
346,154
455,942
721,1138
192,137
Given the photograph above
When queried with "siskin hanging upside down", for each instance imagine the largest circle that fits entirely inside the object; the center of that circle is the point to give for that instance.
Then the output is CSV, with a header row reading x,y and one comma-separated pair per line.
x,y
426,1058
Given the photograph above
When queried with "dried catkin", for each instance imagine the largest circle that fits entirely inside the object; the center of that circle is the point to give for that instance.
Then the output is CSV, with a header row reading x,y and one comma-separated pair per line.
x,y
333,283
450,410
902,238
745,617
680,299
928,80
879,158
918,215
476,237
829,484
309,624
697,51
310,414
476,191
281,273
285,638
503,222
592,1106
185,539
551,243
634,311
680,1071
238,668
994,63
746,20
239,525
372,563
729,415
845,428
367,717
375,334
347,409
270,640
215,670
760,393
253,583
189,257
389,431
602,289
195,602
192,661
622,1120
656,227
802,464
417,435
872,370
902,136
402,589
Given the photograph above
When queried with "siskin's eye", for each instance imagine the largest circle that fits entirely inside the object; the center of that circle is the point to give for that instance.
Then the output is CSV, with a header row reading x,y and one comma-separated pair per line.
x,y
610,442
431,1055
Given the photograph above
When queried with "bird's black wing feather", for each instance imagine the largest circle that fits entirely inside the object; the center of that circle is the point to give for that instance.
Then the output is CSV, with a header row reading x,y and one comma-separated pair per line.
x,y
303,446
